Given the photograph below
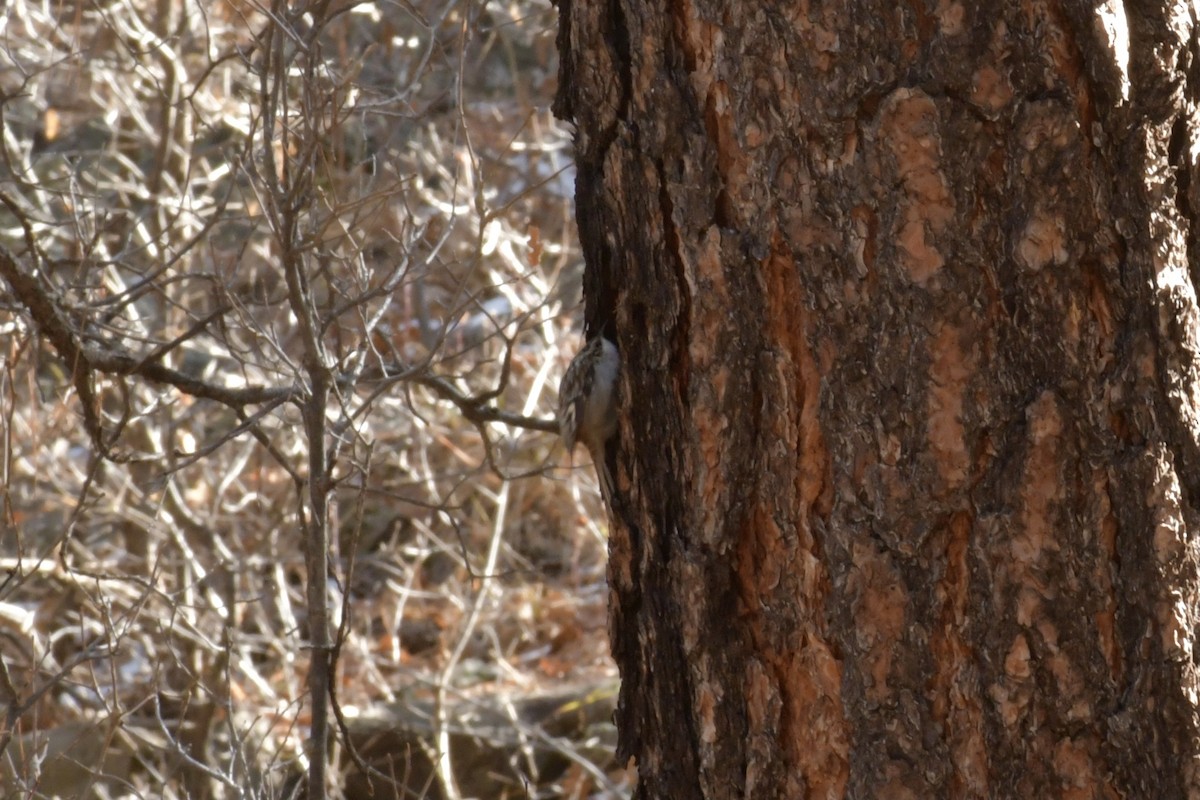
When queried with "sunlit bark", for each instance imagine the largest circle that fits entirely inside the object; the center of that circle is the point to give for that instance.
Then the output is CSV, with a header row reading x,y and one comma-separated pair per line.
x,y
909,443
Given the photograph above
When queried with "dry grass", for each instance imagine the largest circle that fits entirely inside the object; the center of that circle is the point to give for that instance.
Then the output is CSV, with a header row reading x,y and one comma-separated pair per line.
x,y
168,169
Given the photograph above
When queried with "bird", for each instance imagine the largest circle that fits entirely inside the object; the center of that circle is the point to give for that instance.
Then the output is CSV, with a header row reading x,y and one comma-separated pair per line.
x,y
587,405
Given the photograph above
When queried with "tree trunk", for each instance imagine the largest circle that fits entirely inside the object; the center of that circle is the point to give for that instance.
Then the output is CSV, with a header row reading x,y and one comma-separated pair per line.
x,y
908,461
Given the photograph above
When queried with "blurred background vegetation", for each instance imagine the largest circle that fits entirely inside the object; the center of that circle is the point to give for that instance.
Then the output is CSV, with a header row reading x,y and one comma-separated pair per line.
x,y
192,194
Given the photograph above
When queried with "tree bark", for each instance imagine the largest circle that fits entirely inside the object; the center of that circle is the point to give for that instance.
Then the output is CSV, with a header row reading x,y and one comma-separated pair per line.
x,y
908,458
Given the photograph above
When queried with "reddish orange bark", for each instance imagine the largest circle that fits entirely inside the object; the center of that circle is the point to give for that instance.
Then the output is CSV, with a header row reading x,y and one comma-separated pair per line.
x,y
909,446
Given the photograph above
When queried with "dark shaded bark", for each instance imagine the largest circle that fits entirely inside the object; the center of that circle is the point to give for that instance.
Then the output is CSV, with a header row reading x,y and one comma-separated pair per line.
x,y
909,444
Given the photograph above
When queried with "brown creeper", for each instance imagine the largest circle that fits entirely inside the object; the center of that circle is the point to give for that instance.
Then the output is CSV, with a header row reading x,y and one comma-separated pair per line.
x,y
587,404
